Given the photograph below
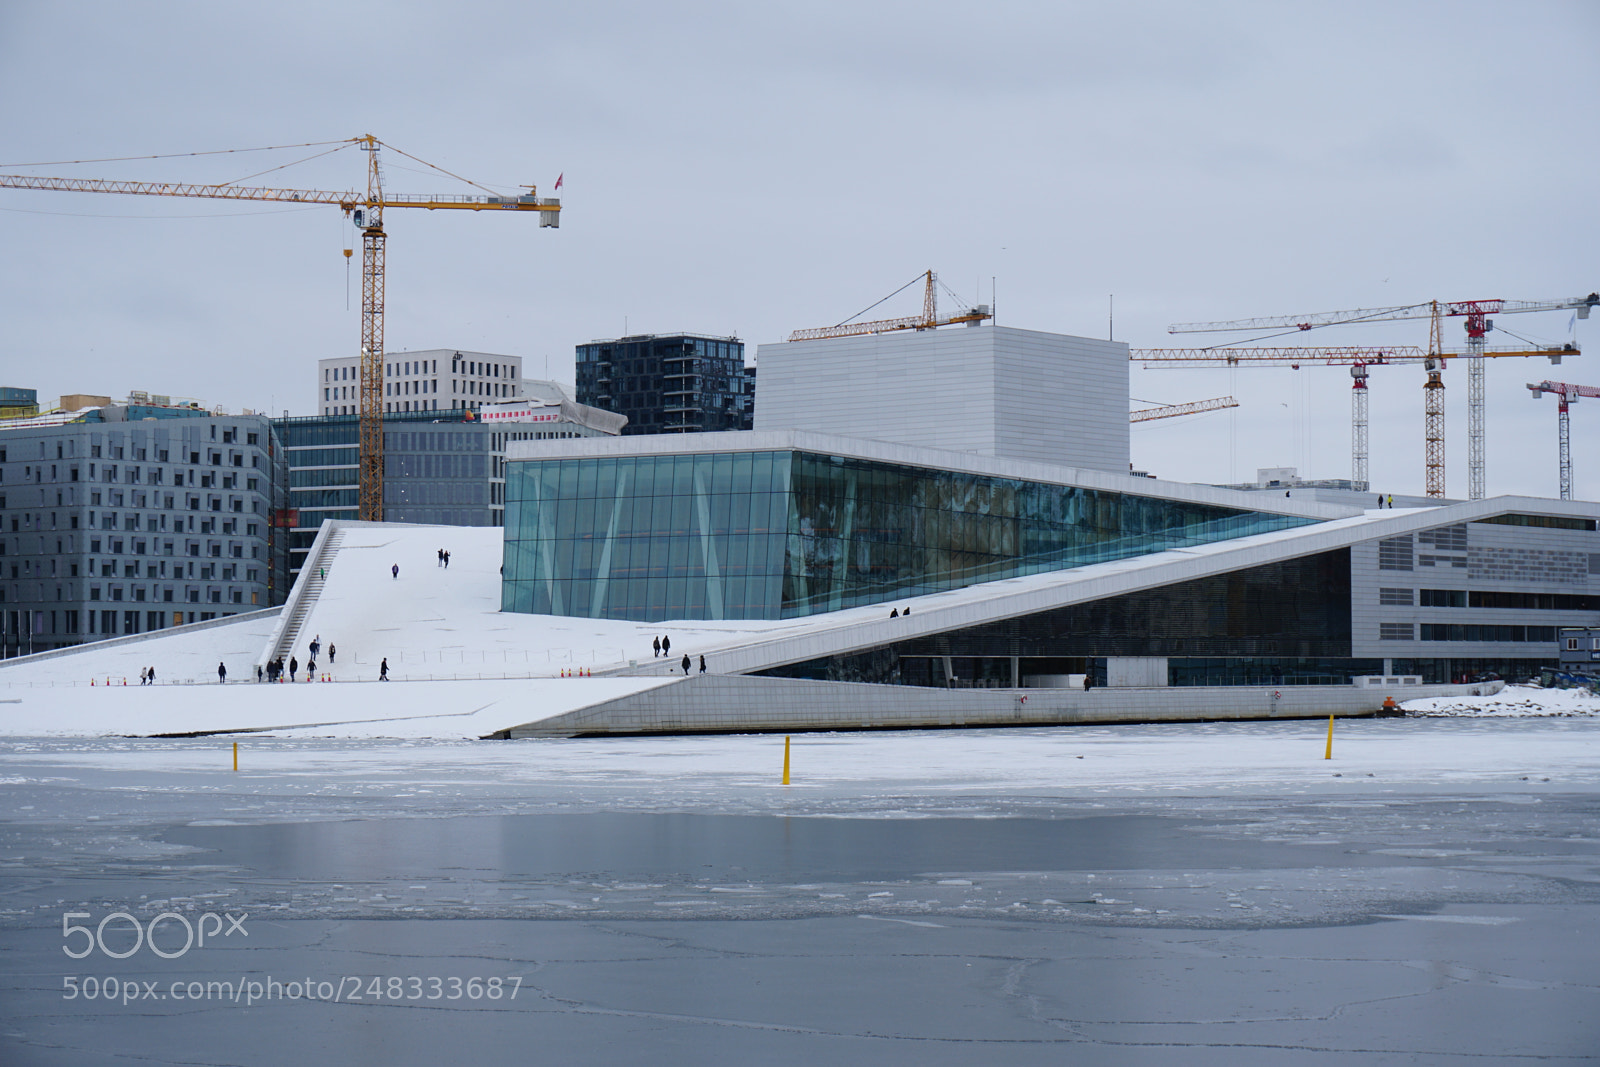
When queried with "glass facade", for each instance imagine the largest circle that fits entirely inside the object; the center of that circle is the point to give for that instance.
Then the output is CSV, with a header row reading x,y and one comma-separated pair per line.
x,y
679,383
1239,628
782,534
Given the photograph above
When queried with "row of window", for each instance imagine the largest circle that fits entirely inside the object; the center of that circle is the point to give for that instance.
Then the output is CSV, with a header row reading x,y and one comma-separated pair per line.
x,y
1451,631
1473,598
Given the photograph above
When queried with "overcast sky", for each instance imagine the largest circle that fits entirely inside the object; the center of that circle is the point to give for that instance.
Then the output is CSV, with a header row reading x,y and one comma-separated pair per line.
x,y
752,169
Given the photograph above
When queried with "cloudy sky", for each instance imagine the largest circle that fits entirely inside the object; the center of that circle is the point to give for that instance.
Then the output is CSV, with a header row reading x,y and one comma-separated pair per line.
x,y
751,169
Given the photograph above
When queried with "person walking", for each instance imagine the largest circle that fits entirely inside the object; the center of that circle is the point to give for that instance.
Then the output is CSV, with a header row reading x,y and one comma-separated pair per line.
x,y
447,562
666,646
294,665
702,665
258,674
395,570
222,673
441,558
656,646
316,645
311,669
141,676
332,651
383,670
686,664
152,676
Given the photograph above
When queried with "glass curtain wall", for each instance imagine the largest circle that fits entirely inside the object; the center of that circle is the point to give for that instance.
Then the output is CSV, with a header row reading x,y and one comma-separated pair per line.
x,y
768,535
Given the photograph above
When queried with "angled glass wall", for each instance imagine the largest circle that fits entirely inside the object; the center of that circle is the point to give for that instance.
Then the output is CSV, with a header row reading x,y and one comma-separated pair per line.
x,y
781,534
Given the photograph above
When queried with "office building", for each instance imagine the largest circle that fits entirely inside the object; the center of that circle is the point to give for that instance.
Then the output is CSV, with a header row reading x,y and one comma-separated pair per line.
x,y
438,379
445,467
135,517
668,383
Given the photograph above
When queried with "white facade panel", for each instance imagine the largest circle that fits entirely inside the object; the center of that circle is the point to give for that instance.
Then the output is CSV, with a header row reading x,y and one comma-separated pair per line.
x,y
989,390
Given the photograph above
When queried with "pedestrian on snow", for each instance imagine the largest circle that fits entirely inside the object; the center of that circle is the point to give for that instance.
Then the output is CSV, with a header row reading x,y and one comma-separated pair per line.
x,y
447,563
702,665
383,670
332,650
686,664
294,665
222,673
316,645
395,570
666,647
141,675
906,612
894,613
441,557
152,676
322,573
311,669
258,674
656,645
1380,500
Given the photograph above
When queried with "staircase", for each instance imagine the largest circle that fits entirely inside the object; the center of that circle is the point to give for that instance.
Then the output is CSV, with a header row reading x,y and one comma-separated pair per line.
x,y
307,588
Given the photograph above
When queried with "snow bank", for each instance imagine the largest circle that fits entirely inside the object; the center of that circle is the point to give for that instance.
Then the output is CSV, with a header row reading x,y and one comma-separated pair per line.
x,y
1514,701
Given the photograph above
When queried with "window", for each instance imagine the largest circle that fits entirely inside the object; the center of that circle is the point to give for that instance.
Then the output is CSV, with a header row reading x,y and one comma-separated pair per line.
x,y
1394,631
1394,554
1444,598
1395,596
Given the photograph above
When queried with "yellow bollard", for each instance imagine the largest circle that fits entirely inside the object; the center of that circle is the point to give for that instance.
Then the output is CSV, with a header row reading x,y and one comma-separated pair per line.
x,y
786,760
1329,753
236,755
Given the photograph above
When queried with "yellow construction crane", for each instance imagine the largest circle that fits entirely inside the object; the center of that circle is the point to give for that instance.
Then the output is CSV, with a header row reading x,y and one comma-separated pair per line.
x,y
367,213
928,320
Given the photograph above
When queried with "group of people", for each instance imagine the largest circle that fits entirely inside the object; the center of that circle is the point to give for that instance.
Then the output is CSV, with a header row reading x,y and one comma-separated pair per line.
x,y
147,676
1385,501
663,647
444,559
895,613
275,669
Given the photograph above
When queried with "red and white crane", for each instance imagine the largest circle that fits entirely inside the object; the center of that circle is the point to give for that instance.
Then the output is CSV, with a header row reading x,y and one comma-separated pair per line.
x,y
1478,324
1567,395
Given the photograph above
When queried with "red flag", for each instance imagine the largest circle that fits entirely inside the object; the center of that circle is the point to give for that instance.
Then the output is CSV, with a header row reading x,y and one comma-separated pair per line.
x,y
559,178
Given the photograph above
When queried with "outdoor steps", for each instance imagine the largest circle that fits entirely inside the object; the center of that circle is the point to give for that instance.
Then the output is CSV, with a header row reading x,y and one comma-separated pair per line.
x,y
303,599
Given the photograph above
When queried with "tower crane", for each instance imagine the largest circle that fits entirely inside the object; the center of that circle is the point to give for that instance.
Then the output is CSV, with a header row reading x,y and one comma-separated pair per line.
x,y
1358,360
1567,395
1172,411
367,213
1478,324
928,320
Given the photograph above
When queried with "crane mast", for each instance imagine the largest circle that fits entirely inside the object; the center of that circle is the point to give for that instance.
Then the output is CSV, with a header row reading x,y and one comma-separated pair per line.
x,y
367,212
373,242
1567,395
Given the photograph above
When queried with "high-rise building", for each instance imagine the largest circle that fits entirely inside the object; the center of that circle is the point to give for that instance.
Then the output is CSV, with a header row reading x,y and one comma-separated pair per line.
x,y
668,383
440,466
438,379
123,519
